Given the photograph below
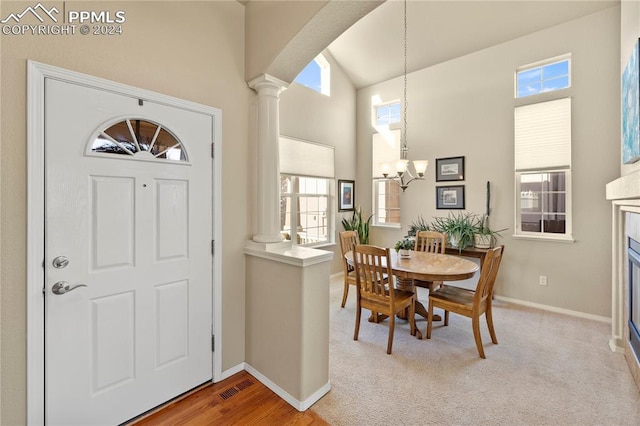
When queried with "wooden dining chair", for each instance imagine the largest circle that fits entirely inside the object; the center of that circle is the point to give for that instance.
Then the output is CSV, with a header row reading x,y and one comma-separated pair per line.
x,y
433,242
376,292
470,303
348,240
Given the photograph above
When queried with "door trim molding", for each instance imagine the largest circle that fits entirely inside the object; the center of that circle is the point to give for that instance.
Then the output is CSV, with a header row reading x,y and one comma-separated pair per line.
x,y
36,75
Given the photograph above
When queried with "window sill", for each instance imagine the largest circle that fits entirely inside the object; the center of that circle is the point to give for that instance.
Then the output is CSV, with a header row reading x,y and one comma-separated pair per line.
x,y
558,239
385,225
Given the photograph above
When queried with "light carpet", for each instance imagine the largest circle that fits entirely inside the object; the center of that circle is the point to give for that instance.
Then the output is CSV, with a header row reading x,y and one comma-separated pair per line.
x,y
548,369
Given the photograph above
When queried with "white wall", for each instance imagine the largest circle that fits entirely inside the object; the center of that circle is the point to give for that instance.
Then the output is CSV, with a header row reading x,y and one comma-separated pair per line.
x,y
465,107
330,120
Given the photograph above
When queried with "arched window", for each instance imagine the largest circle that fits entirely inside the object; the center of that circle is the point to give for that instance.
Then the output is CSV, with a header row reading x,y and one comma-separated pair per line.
x,y
138,139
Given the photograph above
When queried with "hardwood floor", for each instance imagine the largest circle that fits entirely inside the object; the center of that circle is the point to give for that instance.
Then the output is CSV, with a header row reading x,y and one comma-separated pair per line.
x,y
239,400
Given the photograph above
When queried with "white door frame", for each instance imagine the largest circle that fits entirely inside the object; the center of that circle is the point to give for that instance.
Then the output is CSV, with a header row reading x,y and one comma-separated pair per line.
x,y
36,75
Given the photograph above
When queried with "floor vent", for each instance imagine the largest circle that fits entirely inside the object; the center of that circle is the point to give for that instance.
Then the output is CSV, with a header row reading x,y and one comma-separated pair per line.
x,y
244,384
228,393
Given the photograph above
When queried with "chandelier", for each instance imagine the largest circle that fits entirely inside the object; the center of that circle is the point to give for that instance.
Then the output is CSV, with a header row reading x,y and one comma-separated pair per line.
x,y
403,175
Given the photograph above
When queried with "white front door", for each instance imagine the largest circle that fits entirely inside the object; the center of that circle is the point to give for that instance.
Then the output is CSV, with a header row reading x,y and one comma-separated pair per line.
x,y
128,263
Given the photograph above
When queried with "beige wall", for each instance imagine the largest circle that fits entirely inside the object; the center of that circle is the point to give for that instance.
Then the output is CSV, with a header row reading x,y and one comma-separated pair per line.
x,y
330,120
288,324
190,50
465,107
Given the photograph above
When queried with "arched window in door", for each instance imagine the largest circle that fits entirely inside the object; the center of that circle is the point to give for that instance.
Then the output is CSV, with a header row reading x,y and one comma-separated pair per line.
x,y
138,139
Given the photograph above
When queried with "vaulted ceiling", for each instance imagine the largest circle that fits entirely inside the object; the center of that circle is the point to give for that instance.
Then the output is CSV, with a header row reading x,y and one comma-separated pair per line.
x,y
371,50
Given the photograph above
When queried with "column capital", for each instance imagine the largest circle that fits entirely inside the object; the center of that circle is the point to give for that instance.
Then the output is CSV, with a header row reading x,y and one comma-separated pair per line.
x,y
266,81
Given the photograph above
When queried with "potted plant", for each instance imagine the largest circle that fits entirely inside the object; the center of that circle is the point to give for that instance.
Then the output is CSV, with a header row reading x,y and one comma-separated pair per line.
x,y
459,227
358,224
484,236
419,224
404,247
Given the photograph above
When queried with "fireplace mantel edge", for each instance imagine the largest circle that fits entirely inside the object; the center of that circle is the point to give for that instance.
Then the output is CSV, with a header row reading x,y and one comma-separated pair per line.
x,y
624,188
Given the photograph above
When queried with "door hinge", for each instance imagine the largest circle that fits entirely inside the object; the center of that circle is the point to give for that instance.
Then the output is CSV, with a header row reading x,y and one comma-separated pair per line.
x,y
213,247
213,343
213,150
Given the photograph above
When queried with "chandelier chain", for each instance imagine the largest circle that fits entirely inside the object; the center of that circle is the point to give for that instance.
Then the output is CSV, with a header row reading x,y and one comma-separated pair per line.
x,y
404,147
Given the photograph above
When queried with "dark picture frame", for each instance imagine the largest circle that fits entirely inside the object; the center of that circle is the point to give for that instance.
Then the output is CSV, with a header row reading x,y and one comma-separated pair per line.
x,y
450,197
346,195
450,168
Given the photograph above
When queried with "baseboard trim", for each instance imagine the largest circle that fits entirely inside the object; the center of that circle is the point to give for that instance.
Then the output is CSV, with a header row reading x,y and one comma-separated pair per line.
x,y
616,345
231,371
298,405
555,309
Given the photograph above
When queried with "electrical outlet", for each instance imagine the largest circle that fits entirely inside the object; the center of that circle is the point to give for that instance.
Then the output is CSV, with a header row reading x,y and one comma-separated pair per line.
x,y
543,280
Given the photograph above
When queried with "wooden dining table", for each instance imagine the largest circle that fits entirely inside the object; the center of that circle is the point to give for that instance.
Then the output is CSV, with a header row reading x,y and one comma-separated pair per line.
x,y
425,266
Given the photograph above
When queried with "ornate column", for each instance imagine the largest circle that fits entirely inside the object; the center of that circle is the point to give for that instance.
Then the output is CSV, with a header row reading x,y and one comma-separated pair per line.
x,y
268,169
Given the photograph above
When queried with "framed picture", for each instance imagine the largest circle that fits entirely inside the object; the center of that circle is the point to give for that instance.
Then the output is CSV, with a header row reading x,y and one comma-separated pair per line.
x,y
450,197
448,169
631,109
346,195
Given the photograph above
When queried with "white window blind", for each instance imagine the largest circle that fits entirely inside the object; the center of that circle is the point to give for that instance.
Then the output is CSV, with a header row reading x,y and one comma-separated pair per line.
x,y
303,158
543,135
386,148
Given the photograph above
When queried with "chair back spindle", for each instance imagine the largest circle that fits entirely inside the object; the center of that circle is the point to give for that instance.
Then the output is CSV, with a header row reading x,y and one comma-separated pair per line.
x,y
430,241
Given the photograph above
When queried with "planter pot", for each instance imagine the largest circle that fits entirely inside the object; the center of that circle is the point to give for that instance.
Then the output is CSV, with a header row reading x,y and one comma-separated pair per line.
x,y
404,253
483,241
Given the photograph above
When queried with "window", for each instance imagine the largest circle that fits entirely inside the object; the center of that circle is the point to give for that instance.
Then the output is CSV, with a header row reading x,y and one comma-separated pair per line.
x,y
386,193
387,114
305,216
543,169
543,202
387,202
316,76
307,174
137,138
548,76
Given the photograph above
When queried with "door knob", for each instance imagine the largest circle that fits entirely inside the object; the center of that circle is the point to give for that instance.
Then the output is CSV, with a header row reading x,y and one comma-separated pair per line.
x,y
62,287
60,262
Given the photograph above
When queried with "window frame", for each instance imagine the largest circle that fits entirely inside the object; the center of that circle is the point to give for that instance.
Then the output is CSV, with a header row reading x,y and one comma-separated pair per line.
x,y
541,64
293,219
567,236
390,124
